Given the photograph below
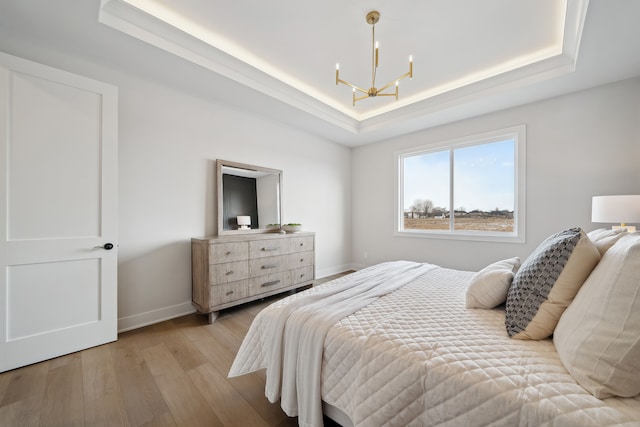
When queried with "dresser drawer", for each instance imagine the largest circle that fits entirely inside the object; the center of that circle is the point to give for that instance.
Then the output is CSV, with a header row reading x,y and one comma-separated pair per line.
x,y
228,272
222,294
227,252
268,265
302,275
235,269
269,282
301,259
267,248
302,243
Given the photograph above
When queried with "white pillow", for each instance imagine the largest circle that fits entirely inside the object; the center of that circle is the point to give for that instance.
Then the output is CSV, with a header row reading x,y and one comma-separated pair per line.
x,y
598,336
489,287
604,238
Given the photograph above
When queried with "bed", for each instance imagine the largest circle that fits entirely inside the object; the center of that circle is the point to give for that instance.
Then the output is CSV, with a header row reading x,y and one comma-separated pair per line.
x,y
404,343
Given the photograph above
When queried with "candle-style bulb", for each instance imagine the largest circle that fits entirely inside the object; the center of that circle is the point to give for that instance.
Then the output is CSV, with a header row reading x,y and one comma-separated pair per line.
x,y
411,66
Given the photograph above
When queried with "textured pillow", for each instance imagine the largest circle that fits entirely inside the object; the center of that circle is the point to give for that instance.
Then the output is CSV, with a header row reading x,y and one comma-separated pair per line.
x,y
604,238
547,282
489,287
598,336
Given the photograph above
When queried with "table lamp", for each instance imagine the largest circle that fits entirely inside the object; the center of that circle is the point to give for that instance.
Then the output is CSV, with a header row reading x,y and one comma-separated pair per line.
x,y
244,222
616,209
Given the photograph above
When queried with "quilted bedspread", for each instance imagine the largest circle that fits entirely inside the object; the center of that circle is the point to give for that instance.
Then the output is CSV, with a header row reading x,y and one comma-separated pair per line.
x,y
418,357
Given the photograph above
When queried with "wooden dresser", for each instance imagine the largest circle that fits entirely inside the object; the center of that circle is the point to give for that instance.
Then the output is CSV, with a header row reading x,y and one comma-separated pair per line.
x,y
231,270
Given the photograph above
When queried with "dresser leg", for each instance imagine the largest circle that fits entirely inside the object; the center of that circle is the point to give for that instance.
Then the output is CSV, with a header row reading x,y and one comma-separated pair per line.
x,y
213,316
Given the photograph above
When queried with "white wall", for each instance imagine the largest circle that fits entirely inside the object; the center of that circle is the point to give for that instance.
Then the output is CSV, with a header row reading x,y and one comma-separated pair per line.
x,y
168,145
168,142
579,145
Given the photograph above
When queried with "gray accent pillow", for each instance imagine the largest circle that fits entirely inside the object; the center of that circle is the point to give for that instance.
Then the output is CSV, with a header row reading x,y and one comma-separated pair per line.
x,y
547,282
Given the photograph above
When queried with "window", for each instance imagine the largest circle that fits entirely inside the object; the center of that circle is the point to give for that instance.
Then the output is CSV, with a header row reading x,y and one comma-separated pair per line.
x,y
470,188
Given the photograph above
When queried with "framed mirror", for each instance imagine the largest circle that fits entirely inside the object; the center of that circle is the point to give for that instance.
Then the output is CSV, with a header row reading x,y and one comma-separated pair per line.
x,y
249,198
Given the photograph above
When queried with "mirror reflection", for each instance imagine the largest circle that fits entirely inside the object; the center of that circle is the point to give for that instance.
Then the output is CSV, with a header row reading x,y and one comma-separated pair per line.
x,y
248,197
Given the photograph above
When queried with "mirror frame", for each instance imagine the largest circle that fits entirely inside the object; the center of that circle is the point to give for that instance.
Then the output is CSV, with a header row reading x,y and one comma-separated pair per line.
x,y
220,165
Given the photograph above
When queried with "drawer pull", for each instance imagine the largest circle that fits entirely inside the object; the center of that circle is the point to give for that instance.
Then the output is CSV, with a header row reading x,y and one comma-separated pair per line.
x,y
268,266
269,249
271,283
229,273
229,293
228,253
301,259
302,275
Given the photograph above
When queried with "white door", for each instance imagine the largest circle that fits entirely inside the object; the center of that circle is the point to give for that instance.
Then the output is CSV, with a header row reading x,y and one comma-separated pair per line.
x,y
58,194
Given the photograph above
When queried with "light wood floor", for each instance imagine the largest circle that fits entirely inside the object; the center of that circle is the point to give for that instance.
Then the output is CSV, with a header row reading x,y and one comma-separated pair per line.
x,y
172,373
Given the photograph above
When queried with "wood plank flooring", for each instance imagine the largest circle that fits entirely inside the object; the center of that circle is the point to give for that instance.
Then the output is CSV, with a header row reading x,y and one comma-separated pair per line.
x,y
172,373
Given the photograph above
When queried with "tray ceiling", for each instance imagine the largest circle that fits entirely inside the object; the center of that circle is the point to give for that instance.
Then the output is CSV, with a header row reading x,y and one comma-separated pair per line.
x,y
288,49
277,59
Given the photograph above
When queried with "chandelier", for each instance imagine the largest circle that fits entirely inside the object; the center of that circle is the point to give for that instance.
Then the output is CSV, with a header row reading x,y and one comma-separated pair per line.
x,y
372,18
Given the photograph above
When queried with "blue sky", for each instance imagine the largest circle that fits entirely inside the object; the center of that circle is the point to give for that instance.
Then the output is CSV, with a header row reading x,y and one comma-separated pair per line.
x,y
483,177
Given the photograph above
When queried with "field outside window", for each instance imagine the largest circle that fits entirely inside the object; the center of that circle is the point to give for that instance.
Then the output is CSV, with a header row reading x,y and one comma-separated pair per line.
x,y
472,188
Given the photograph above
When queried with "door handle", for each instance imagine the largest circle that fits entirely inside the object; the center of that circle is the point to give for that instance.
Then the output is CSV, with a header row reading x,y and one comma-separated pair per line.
x,y
106,246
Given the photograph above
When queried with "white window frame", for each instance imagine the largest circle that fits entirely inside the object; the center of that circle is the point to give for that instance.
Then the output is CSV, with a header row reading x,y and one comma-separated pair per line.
x,y
518,134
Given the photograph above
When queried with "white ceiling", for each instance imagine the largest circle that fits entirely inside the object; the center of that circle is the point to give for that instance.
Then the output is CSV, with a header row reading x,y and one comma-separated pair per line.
x,y
278,58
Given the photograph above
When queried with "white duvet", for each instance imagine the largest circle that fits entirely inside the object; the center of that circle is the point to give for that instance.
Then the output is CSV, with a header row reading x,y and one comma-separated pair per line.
x,y
417,356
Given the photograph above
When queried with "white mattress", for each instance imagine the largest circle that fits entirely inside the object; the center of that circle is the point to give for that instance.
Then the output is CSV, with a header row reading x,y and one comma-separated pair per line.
x,y
419,357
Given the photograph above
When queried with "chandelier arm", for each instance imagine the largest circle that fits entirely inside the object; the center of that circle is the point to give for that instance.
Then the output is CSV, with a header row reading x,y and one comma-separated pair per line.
x,y
359,98
386,87
393,82
394,94
405,75
344,82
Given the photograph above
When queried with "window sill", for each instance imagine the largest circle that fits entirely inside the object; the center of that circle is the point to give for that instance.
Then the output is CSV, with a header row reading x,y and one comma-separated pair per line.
x,y
462,235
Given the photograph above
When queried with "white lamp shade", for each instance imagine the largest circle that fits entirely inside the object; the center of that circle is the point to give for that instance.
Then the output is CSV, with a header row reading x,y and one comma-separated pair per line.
x,y
244,220
615,209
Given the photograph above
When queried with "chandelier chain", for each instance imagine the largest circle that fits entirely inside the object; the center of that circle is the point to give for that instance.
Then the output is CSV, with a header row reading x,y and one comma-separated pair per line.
x,y
374,65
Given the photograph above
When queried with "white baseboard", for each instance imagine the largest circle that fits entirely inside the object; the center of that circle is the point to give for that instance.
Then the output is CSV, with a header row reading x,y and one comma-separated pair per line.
x,y
325,272
161,314
154,316
360,266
